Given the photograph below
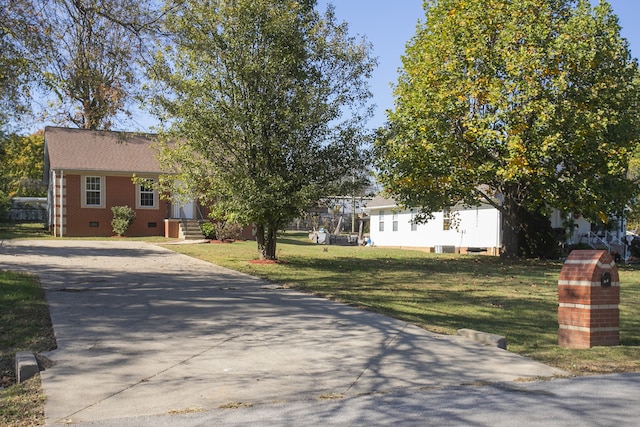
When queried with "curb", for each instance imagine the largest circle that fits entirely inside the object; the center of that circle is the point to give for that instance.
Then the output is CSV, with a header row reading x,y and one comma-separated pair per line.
x,y
26,366
484,338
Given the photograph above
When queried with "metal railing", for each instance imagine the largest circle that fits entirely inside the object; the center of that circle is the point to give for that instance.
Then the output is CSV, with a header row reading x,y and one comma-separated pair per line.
x,y
608,241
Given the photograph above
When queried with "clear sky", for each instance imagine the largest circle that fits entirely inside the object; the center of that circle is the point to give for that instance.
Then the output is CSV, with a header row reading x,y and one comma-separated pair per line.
x,y
389,25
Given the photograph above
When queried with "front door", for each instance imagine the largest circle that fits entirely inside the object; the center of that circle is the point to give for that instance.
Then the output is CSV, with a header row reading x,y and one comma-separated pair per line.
x,y
183,210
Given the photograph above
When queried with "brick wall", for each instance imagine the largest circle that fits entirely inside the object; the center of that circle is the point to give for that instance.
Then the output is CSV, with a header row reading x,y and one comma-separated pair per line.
x,y
588,313
96,222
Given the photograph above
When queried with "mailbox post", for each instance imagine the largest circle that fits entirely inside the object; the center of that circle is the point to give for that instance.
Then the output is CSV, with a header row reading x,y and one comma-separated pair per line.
x,y
588,300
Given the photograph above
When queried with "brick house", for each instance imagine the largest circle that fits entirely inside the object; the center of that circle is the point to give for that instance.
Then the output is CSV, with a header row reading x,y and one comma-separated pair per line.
x,y
88,172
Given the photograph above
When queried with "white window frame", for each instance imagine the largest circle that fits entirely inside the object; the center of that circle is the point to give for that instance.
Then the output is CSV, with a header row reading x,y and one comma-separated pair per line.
x,y
394,224
414,224
381,221
446,219
140,190
101,191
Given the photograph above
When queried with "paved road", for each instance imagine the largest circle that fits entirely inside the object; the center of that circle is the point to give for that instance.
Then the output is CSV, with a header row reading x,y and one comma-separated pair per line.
x,y
150,337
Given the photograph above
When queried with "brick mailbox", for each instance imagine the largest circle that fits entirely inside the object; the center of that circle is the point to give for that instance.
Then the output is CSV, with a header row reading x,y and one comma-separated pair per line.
x,y
588,300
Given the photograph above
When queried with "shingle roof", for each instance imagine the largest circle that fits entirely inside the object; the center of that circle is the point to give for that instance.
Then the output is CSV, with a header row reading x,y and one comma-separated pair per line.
x,y
381,202
88,150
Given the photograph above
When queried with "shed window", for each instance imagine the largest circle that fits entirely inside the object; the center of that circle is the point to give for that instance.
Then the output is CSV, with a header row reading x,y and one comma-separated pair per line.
x,y
93,191
147,195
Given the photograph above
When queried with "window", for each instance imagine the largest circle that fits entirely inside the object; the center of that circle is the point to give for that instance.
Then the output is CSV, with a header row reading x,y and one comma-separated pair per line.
x,y
414,224
93,191
381,221
147,195
395,221
446,219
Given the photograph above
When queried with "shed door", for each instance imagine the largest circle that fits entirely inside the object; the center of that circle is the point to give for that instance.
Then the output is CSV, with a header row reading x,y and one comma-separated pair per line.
x,y
183,211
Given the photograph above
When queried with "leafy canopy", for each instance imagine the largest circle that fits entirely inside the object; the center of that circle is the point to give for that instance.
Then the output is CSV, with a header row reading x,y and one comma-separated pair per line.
x,y
268,99
21,165
527,104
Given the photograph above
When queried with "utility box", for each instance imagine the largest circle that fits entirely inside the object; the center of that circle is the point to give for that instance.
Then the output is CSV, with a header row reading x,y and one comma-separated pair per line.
x,y
588,300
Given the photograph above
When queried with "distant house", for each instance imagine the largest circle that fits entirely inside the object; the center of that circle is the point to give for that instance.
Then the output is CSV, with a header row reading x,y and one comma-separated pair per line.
x,y
88,172
474,229
466,230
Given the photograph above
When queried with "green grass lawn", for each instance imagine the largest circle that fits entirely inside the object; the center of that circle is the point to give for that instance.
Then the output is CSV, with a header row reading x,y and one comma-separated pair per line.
x,y
23,231
24,325
443,293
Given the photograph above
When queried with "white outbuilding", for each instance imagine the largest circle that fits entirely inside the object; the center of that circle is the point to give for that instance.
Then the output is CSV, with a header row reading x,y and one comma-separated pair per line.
x,y
459,230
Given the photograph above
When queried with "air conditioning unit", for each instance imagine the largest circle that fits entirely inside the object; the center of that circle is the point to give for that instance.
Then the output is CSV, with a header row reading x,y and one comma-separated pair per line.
x,y
445,249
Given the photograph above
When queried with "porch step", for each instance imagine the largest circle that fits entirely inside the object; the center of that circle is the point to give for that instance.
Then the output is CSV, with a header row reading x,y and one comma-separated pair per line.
x,y
190,230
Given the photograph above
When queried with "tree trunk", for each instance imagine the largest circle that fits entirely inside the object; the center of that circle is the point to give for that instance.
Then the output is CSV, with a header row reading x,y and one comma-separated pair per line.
x,y
510,228
266,238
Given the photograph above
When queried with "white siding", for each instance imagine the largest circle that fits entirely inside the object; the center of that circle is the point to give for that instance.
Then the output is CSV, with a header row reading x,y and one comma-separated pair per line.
x,y
476,228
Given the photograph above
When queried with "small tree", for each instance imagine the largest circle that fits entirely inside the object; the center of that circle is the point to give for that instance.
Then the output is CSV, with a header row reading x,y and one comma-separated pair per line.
x,y
269,101
123,216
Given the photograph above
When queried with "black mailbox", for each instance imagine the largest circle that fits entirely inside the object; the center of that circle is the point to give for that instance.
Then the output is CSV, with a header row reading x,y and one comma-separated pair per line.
x,y
605,279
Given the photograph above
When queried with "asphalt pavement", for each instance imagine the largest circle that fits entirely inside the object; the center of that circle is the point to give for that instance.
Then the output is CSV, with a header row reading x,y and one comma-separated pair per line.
x,y
147,336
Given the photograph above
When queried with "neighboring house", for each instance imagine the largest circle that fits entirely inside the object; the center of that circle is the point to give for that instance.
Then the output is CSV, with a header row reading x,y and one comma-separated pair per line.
x,y
88,172
469,230
330,212
474,229
582,232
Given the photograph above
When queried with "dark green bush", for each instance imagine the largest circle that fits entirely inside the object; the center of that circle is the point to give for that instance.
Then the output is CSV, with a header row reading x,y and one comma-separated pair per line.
x,y
209,230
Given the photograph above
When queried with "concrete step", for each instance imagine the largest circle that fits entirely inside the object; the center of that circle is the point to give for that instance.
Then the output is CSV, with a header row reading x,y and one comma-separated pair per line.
x,y
190,230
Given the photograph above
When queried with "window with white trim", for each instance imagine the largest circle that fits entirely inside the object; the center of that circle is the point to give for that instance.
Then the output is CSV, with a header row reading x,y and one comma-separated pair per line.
x,y
381,221
93,190
394,224
147,195
446,219
414,224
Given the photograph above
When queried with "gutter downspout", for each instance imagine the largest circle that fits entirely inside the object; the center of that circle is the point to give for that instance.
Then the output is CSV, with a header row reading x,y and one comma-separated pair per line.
x,y
61,203
52,210
499,236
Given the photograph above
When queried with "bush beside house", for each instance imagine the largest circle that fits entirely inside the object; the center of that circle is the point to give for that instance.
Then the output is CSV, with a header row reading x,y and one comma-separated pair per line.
x,y
123,217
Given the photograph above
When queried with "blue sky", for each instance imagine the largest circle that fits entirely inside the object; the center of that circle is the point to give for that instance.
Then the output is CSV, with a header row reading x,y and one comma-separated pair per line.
x,y
388,25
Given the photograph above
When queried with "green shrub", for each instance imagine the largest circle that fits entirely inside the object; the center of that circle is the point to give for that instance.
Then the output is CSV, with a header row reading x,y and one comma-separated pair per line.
x,y
123,216
5,203
209,230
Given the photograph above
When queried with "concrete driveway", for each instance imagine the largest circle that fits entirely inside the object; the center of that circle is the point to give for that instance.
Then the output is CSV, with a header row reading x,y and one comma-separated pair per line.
x,y
144,331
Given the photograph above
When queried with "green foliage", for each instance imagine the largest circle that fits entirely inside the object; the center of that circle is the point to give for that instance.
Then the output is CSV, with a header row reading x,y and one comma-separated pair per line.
x,y
123,217
5,204
208,230
269,99
522,104
21,165
16,71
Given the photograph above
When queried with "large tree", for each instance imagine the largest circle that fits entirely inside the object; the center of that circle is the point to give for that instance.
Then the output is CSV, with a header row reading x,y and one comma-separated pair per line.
x,y
88,53
527,105
268,99
17,24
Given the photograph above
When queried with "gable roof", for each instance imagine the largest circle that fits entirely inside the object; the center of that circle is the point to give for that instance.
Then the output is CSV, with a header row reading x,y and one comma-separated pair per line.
x,y
99,151
381,202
